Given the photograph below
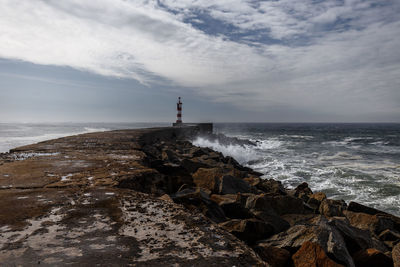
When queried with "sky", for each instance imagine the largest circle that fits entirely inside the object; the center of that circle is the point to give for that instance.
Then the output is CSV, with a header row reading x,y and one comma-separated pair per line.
x,y
230,61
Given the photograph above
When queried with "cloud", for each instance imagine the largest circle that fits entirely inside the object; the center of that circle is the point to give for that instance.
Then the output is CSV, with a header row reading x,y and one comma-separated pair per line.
x,y
340,56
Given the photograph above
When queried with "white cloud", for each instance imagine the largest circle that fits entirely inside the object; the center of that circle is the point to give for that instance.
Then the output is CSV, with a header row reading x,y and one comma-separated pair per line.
x,y
351,69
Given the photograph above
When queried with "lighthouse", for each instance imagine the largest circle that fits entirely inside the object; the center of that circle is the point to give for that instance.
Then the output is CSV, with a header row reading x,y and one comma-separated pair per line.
x,y
179,110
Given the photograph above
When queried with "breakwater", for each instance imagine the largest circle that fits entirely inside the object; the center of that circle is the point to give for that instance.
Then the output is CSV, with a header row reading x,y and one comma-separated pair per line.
x,y
148,196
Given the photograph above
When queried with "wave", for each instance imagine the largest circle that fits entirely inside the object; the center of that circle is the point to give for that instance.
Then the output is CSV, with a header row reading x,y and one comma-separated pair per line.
x,y
340,156
242,153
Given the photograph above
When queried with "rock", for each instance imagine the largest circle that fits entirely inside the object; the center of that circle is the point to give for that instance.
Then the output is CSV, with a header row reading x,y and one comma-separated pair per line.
x,y
166,197
197,198
356,239
192,165
219,199
275,204
312,255
235,210
208,179
314,201
169,155
362,221
317,230
396,255
375,223
253,180
271,186
276,257
372,257
356,207
232,185
389,237
249,230
277,222
330,207
302,191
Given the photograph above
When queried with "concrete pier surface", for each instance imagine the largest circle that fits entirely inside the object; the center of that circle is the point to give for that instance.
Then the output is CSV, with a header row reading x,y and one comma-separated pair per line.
x,y
76,201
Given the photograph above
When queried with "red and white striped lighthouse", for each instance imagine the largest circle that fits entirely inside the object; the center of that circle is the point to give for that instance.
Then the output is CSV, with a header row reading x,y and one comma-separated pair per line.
x,y
179,109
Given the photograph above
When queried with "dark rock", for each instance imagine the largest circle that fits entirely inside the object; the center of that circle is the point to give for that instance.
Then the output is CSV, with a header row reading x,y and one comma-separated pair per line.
x,y
371,258
278,223
169,155
219,199
396,255
356,207
275,204
302,191
236,210
312,255
232,185
317,230
276,257
192,165
249,230
314,201
356,239
196,198
330,207
389,237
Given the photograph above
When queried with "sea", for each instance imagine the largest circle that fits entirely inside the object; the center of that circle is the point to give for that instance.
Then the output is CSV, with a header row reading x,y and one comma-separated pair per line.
x,y
354,162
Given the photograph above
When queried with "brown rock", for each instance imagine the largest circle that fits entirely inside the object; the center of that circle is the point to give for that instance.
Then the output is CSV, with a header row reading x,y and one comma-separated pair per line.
x,y
317,230
224,198
208,178
271,186
320,196
302,191
249,230
276,257
330,207
312,255
372,257
396,255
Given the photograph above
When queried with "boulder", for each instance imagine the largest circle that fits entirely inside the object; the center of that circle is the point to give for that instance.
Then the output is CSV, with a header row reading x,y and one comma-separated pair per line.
x,y
302,191
219,199
208,178
197,198
192,165
314,200
330,207
248,230
312,255
275,204
271,186
356,239
375,223
317,230
236,210
357,207
274,256
167,155
396,255
277,222
232,185
372,257
389,237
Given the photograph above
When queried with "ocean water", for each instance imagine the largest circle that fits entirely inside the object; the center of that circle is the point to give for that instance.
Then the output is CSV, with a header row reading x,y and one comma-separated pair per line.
x,y
354,162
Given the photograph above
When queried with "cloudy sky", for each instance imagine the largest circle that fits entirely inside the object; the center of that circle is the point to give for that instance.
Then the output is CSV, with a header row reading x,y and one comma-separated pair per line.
x,y
230,60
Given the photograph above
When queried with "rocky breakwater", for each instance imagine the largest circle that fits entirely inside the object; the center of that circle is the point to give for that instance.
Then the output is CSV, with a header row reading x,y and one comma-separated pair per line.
x,y
146,197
